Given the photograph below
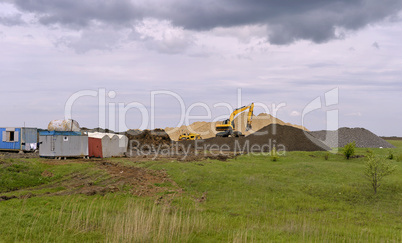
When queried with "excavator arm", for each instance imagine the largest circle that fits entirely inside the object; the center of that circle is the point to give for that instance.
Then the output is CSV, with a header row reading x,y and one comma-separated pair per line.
x,y
250,116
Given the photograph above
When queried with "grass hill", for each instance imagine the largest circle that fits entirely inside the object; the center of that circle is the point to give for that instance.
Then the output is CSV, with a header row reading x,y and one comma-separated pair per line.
x,y
300,197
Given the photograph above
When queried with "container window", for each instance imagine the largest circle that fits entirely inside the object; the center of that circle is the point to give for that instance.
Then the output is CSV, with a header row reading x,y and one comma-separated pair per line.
x,y
10,136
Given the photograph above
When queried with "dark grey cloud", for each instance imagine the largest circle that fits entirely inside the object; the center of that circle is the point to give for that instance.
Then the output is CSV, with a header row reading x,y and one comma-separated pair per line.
x,y
12,20
80,13
287,20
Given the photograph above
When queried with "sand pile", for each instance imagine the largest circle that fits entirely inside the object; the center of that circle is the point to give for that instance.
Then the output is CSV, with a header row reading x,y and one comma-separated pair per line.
x,y
363,138
282,137
207,129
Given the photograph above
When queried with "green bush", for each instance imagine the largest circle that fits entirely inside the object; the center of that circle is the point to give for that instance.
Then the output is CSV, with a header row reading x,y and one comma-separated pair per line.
x,y
326,156
349,150
274,155
390,155
376,169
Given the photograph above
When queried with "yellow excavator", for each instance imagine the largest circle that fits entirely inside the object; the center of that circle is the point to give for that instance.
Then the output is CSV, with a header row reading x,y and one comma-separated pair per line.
x,y
227,128
189,136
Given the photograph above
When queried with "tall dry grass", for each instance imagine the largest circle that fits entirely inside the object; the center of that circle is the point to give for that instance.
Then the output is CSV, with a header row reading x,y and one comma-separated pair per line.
x,y
132,221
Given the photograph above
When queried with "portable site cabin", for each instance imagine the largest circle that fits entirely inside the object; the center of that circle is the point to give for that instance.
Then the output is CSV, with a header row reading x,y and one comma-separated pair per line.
x,y
63,144
123,143
18,138
105,145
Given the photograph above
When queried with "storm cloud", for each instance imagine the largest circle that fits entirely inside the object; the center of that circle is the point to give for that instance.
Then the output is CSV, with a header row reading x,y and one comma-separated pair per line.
x,y
286,21
203,51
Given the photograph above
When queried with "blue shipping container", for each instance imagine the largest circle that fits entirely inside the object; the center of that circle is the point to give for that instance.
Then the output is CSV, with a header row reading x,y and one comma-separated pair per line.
x,y
17,138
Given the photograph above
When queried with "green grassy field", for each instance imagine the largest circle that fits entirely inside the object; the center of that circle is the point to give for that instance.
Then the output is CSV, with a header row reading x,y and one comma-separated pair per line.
x,y
302,197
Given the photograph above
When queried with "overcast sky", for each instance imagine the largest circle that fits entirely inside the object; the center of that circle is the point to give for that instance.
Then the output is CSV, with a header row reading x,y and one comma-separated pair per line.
x,y
273,52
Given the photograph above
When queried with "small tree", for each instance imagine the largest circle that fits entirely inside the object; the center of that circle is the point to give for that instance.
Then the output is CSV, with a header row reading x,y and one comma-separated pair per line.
x,y
274,155
390,155
326,156
349,150
376,169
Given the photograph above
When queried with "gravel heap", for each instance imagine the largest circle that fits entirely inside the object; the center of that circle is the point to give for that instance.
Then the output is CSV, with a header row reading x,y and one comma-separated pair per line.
x,y
281,137
339,138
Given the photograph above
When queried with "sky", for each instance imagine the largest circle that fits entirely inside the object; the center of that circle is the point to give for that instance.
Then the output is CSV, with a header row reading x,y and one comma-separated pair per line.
x,y
131,64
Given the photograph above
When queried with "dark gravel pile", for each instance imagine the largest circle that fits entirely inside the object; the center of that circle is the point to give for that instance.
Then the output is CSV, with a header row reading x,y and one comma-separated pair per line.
x,y
363,138
283,138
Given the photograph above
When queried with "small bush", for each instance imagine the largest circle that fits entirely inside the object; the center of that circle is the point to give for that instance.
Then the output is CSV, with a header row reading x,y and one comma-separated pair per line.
x,y
274,155
326,156
349,150
376,169
390,155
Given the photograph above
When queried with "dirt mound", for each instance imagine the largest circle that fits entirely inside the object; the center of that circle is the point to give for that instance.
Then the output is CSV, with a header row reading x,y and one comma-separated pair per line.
x,y
207,129
339,138
282,137
155,137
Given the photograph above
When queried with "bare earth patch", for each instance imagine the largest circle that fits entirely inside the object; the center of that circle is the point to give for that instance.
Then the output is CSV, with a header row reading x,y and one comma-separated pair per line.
x,y
111,177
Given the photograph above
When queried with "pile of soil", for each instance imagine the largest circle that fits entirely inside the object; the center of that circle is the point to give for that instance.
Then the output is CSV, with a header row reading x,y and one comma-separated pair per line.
x,y
339,138
155,137
207,129
282,137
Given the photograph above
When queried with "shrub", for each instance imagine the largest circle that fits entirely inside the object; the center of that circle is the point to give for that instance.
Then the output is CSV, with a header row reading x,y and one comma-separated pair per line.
x,y
274,155
326,156
390,155
376,169
349,150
